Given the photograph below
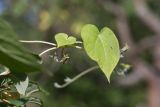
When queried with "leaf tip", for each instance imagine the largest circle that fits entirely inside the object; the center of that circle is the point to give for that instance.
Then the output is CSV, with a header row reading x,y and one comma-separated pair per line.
x,y
109,80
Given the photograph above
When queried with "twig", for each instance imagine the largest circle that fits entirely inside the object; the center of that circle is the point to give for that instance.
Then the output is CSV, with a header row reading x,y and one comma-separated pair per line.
x,y
69,81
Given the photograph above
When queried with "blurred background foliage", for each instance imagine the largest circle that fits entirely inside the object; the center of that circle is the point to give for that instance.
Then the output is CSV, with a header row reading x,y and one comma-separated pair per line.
x,y
42,19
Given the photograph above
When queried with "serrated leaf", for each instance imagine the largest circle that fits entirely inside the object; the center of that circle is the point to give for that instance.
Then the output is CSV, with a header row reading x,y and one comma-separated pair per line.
x,y
13,55
63,39
101,46
22,86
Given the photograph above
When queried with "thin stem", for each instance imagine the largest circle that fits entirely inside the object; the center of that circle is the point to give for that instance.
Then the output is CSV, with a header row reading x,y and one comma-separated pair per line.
x,y
79,42
33,91
43,42
45,51
35,102
78,47
75,78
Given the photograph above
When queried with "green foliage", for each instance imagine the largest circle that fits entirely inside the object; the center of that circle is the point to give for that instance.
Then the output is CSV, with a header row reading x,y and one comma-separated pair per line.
x,y
13,54
62,39
27,17
18,102
101,46
15,62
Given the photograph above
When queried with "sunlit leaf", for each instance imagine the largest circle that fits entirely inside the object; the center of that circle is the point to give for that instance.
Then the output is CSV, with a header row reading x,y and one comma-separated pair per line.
x,y
62,39
101,46
22,86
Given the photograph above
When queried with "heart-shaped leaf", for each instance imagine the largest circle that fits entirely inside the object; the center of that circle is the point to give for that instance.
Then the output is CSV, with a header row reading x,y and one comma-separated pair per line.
x,y
22,86
101,46
62,39
12,54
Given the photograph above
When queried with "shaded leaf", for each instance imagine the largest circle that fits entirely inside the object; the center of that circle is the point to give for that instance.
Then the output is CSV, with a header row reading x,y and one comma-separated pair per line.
x,y
62,39
18,102
101,46
13,55
4,71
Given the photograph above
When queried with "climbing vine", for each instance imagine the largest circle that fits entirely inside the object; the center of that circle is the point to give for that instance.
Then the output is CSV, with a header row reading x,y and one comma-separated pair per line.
x,y
16,61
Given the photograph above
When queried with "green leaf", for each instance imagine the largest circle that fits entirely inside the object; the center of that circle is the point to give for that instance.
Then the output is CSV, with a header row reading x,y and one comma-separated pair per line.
x,y
101,46
4,71
18,102
22,86
62,39
13,55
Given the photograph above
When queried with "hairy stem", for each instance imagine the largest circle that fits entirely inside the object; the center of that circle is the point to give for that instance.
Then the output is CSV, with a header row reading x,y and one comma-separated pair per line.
x,y
69,81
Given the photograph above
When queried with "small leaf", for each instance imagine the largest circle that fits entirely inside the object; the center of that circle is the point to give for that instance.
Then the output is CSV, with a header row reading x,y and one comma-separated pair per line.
x,y
22,86
4,70
101,46
62,39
